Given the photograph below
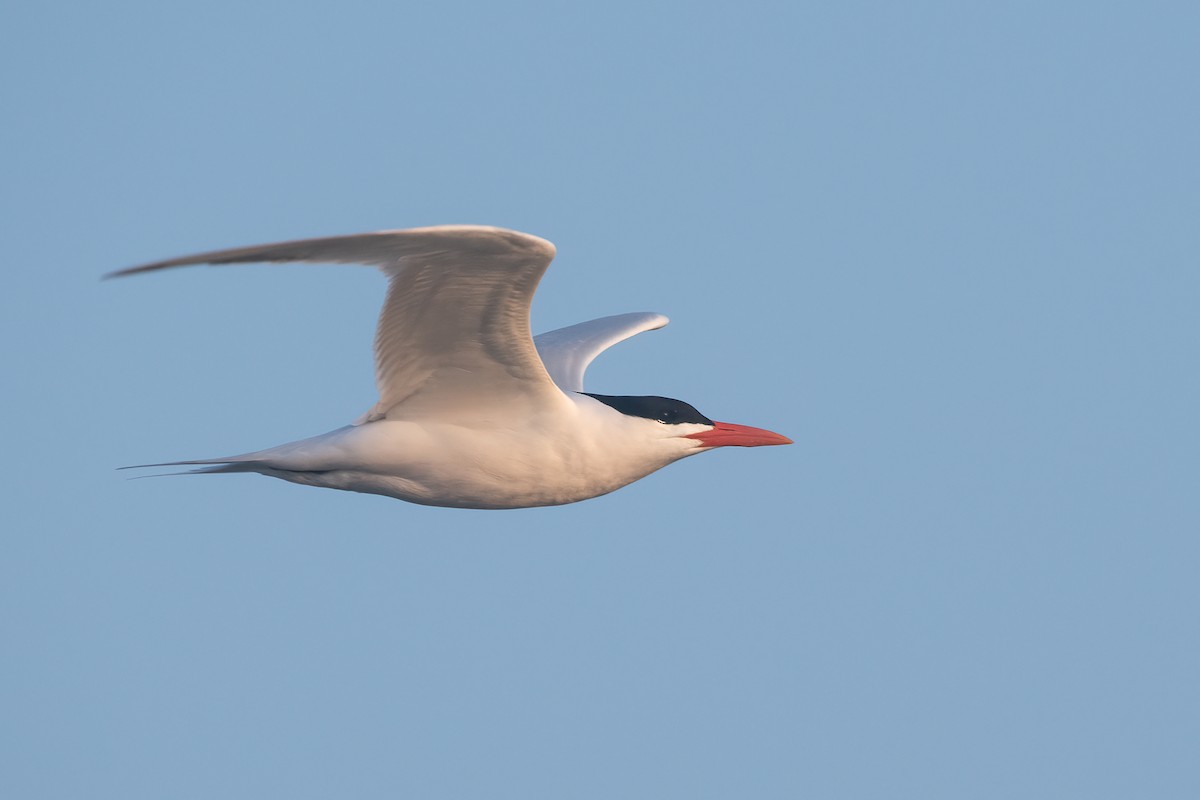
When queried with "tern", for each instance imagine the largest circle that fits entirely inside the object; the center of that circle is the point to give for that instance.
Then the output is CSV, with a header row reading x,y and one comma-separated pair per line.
x,y
474,411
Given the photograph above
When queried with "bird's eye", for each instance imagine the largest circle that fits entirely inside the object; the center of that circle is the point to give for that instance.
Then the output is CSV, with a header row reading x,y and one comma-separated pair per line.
x,y
668,415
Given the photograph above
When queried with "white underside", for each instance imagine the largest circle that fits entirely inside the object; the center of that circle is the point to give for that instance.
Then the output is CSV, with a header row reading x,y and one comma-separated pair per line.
x,y
582,450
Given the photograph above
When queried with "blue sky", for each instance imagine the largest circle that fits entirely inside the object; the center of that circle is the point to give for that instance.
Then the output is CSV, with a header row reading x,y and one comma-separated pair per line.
x,y
950,249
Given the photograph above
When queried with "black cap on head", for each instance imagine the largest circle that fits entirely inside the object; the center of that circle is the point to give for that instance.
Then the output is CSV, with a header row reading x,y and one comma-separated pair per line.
x,y
660,409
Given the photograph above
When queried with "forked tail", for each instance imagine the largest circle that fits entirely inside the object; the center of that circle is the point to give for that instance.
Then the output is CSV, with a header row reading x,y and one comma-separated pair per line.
x,y
207,466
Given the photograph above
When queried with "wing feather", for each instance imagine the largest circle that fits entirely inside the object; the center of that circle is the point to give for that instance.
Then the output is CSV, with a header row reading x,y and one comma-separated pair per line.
x,y
454,329
566,352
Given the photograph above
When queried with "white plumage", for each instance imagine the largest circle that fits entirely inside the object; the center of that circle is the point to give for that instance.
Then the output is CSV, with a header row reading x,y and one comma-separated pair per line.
x,y
474,412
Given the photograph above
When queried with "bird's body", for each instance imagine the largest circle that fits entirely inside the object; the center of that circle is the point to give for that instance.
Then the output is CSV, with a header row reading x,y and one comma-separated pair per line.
x,y
473,411
552,460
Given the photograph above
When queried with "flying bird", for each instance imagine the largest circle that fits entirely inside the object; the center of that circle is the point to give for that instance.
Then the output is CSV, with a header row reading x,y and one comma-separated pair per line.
x,y
474,411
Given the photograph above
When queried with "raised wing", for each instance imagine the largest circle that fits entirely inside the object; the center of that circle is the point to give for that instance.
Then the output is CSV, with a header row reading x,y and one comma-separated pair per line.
x,y
567,352
453,336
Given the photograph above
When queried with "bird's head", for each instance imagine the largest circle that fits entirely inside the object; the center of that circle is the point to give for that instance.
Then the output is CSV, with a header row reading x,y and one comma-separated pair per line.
x,y
668,419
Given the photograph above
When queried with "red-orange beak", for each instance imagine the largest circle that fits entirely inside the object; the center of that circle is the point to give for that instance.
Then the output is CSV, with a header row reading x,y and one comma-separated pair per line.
x,y
726,434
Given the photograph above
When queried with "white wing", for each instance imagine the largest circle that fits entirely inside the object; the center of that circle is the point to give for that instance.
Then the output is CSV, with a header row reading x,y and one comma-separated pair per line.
x,y
567,352
454,330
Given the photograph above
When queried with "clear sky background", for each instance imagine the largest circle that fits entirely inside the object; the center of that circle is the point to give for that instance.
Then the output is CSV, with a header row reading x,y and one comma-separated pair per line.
x,y
949,248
